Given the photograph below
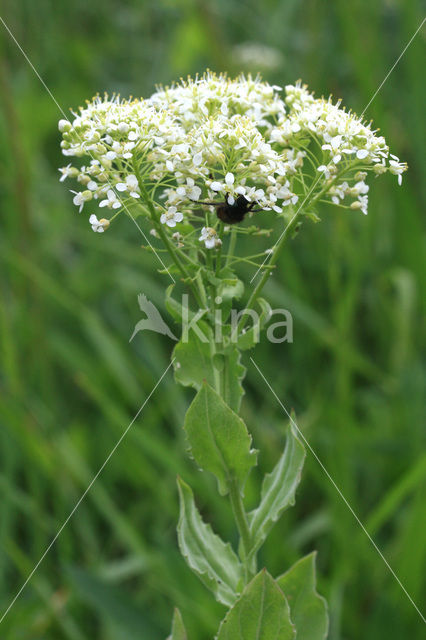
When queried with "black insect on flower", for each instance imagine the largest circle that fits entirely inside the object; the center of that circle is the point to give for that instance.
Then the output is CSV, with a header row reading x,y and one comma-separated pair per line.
x,y
232,213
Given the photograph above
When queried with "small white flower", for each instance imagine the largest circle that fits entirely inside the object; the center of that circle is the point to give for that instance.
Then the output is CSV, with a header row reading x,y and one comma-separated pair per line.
x,y
338,192
111,201
334,146
397,168
197,159
172,217
80,198
67,172
131,185
325,170
361,154
360,188
190,190
210,238
98,225
361,203
364,204
229,179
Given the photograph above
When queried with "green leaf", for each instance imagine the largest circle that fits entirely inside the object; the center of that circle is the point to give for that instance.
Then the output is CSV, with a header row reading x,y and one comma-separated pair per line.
x,y
233,375
193,361
230,288
250,338
213,560
219,440
175,308
178,628
261,613
278,490
308,609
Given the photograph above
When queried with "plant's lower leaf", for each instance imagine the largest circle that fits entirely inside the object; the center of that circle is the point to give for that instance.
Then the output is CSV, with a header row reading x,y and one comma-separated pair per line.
x,y
213,560
308,608
261,613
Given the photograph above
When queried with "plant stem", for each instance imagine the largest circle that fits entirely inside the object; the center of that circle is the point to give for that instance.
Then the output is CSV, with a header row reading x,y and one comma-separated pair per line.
x,y
242,524
219,252
231,247
277,250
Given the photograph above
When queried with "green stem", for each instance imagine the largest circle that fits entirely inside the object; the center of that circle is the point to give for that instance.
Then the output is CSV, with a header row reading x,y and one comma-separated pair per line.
x,y
231,248
275,255
219,252
242,525
278,247
237,505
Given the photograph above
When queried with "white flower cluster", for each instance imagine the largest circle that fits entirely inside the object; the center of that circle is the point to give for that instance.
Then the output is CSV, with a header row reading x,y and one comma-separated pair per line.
x,y
217,139
348,147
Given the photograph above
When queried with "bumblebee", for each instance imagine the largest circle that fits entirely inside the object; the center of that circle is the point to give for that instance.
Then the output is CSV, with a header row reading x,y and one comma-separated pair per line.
x,y
232,213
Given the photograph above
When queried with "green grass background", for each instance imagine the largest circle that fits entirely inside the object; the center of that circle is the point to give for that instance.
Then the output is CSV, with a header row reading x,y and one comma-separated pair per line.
x,y
70,382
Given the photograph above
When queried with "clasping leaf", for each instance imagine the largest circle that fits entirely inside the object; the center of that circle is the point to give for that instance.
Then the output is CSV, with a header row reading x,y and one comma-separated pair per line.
x,y
219,440
261,613
278,490
308,609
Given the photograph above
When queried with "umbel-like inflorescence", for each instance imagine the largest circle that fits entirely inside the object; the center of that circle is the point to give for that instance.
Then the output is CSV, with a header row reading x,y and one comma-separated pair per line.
x,y
213,140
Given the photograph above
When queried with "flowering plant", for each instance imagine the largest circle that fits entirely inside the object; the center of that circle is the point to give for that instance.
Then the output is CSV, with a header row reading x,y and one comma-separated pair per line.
x,y
200,162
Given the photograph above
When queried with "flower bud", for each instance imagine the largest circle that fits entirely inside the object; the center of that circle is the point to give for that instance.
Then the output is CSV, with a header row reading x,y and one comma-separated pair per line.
x,y
379,169
64,125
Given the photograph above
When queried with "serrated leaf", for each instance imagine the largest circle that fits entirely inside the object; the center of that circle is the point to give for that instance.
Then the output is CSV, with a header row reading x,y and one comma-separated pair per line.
x,y
233,375
178,628
213,560
261,613
308,609
278,490
219,440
